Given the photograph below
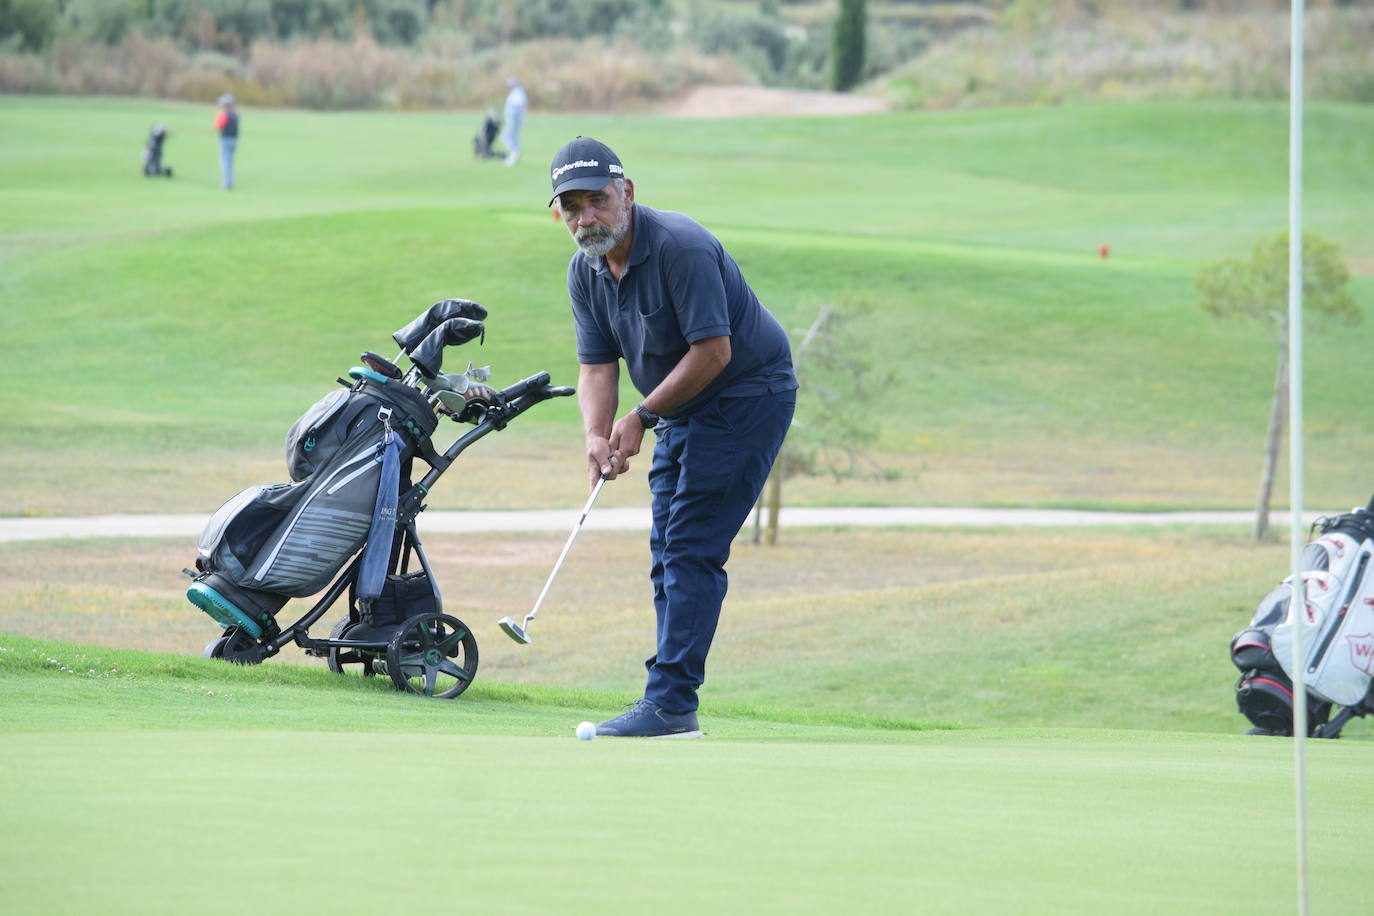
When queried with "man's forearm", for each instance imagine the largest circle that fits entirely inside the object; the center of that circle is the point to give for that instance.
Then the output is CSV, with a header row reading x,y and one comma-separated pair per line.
x,y
598,394
699,366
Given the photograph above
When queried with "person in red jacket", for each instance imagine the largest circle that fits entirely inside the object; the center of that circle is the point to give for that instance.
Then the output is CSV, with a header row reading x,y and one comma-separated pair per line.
x,y
227,123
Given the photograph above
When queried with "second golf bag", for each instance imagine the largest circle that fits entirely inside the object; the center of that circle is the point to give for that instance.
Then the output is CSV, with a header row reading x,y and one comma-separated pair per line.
x,y
152,153
278,541
1337,635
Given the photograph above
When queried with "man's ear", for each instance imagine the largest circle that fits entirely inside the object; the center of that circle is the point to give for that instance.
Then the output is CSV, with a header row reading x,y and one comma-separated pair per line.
x,y
629,191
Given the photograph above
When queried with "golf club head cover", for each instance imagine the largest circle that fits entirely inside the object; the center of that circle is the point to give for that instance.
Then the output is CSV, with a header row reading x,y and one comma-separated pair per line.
x,y
428,357
410,336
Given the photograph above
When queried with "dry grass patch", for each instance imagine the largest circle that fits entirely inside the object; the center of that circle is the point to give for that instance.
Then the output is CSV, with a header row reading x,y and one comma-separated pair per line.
x,y
1135,51
1066,627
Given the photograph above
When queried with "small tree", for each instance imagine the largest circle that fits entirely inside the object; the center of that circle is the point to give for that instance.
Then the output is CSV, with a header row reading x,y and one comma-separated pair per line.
x,y
832,429
1257,288
848,45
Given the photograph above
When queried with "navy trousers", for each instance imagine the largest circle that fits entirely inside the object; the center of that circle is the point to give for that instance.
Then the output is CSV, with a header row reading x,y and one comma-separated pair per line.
x,y
708,470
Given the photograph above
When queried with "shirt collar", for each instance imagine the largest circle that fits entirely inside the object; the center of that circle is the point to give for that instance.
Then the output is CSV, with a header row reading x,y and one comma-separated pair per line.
x,y
639,242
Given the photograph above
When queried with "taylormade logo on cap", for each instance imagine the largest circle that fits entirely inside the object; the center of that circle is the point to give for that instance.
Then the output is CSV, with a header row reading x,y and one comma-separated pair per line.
x,y
583,164
579,164
587,164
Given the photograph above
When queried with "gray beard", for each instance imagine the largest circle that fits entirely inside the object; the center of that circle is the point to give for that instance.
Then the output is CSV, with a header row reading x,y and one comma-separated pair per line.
x,y
599,241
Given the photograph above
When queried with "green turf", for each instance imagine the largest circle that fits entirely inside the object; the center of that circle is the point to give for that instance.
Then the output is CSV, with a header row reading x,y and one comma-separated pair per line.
x,y
139,783
163,334
182,329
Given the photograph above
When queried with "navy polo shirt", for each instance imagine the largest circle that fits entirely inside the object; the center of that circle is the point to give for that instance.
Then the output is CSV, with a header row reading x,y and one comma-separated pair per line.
x,y
679,286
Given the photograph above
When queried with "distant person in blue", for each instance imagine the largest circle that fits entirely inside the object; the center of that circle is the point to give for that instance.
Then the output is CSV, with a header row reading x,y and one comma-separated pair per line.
x,y
516,103
227,122
656,290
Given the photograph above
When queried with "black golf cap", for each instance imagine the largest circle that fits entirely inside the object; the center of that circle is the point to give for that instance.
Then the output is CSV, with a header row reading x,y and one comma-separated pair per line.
x,y
583,164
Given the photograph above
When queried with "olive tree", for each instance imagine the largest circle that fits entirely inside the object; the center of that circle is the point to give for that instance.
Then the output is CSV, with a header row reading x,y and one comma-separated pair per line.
x,y
1257,288
832,429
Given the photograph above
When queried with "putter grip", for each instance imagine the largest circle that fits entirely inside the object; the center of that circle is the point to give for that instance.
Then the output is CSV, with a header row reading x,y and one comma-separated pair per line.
x,y
538,380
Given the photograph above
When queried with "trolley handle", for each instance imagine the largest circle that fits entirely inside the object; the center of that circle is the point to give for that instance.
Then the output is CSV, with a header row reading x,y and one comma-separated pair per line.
x,y
538,380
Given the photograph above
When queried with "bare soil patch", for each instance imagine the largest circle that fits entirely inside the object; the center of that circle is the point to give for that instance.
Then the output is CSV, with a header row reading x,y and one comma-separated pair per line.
x,y
757,101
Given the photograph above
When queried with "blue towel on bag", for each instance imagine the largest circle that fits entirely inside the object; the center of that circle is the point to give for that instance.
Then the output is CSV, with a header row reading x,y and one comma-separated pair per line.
x,y
377,553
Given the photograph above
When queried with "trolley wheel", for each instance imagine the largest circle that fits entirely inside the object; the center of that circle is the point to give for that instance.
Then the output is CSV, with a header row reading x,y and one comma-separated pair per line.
x,y
338,658
432,654
236,646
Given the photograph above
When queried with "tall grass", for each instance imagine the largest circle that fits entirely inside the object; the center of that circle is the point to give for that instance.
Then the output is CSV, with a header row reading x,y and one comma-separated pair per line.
x,y
1139,53
1031,52
361,73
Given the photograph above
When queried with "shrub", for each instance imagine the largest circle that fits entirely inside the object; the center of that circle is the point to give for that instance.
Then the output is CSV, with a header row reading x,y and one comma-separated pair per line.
x,y
316,73
560,73
138,66
27,25
25,73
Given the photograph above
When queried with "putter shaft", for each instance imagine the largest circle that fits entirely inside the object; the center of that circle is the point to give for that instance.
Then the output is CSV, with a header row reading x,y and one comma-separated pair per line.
x,y
562,556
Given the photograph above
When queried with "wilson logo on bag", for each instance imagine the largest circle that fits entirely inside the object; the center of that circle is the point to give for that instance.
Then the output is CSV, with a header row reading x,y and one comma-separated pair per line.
x,y
1362,651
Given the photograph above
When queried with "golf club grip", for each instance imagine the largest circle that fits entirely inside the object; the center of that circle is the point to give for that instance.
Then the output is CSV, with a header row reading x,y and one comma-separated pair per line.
x,y
538,380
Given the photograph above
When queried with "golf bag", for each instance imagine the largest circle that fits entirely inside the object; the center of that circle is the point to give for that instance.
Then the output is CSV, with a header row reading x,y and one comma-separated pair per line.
x,y
278,541
152,153
1337,635
346,521
483,140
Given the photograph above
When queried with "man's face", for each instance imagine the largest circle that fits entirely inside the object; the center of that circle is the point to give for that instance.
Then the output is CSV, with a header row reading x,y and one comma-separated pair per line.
x,y
598,220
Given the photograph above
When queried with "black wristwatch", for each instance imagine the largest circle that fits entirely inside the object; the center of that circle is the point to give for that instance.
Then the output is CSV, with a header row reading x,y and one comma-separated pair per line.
x,y
646,416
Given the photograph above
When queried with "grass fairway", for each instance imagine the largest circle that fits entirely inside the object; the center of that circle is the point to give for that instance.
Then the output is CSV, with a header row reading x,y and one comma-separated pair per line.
x,y
160,784
190,327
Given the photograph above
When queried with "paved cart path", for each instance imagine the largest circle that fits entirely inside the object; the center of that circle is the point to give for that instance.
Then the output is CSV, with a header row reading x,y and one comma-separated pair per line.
x,y
637,519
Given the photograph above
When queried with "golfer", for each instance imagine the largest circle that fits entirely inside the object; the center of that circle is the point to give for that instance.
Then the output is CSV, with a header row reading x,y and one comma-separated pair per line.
x,y
517,101
656,290
227,123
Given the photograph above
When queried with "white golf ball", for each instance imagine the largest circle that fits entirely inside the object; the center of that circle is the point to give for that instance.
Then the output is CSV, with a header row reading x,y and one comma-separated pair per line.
x,y
586,730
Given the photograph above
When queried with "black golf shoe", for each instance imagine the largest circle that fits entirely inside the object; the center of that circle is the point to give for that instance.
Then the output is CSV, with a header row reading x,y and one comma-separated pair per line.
x,y
646,719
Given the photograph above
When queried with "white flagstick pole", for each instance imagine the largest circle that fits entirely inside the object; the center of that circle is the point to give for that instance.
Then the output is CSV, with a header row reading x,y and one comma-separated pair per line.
x,y
1295,436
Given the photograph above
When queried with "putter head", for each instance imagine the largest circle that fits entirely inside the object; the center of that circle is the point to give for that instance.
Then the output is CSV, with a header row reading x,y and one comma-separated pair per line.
x,y
514,630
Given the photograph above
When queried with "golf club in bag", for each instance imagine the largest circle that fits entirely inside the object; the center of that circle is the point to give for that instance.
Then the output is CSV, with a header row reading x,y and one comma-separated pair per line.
x,y
1338,635
520,631
345,522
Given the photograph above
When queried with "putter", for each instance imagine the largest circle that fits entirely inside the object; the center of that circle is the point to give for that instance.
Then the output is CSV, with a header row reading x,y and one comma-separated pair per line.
x,y
520,631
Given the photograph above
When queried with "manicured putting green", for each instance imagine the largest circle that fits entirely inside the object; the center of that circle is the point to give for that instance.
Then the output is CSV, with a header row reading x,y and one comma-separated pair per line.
x,y
1007,821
